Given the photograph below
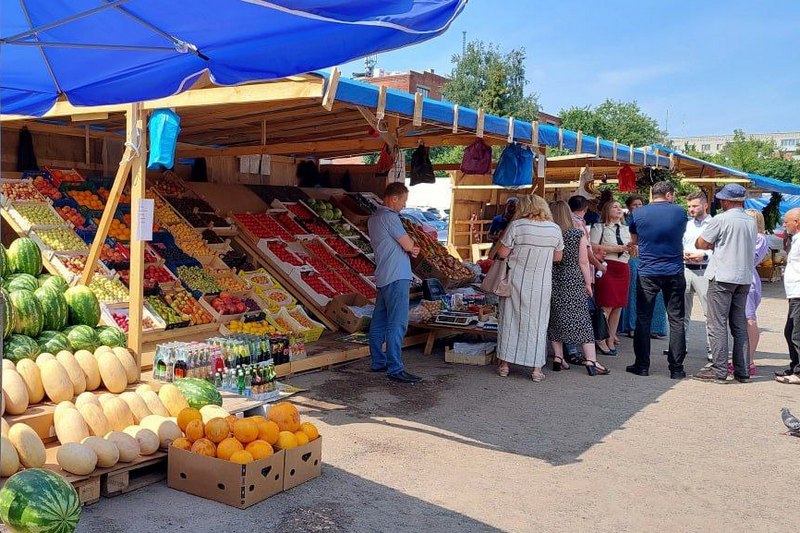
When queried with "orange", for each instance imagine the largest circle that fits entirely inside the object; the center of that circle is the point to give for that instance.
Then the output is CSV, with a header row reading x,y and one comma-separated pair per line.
x,y
259,449
310,430
242,457
268,431
217,430
182,443
286,440
286,416
231,419
227,447
194,430
245,430
302,438
204,447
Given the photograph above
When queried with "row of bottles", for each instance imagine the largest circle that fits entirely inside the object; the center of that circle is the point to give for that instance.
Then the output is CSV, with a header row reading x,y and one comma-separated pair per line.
x,y
253,381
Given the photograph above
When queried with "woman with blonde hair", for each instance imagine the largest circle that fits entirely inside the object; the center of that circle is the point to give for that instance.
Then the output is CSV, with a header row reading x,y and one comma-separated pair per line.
x,y
570,320
531,244
754,296
611,240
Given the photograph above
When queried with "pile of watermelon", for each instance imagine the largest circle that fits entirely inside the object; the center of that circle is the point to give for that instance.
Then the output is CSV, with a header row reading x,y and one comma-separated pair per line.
x,y
41,313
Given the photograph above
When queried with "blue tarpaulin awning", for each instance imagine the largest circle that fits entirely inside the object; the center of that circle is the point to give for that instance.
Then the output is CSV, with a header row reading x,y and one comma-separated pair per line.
x,y
120,51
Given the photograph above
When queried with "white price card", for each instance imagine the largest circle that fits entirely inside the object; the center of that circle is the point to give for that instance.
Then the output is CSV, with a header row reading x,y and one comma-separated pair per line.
x,y
143,226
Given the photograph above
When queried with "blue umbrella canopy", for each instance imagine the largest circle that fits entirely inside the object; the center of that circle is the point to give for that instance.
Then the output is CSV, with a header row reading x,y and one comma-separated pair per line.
x,y
97,52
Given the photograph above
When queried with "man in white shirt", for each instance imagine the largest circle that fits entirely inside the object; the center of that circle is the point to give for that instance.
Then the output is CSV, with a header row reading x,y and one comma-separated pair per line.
x,y
791,283
696,261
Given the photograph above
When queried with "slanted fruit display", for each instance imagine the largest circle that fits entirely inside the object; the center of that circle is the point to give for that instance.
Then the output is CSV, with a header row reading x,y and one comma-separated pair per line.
x,y
21,191
198,280
39,215
62,240
188,307
109,290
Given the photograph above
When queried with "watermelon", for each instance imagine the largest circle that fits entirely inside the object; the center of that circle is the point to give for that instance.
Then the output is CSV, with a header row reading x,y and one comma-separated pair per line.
x,y
18,347
28,314
53,342
25,257
49,280
82,338
84,309
39,500
5,269
198,392
20,281
54,307
8,315
111,336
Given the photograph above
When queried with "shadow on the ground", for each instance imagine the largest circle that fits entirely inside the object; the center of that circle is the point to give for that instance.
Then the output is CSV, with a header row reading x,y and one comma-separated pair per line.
x,y
336,502
556,420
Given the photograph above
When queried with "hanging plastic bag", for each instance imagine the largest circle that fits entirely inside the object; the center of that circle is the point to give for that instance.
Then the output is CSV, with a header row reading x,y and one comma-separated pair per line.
x,y
164,127
421,166
477,158
385,161
515,167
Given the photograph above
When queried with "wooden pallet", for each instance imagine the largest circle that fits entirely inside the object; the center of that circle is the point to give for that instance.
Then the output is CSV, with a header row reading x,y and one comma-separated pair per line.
x,y
134,476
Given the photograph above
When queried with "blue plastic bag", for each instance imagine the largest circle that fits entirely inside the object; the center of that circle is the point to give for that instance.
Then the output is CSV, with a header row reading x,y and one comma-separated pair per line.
x,y
164,127
515,167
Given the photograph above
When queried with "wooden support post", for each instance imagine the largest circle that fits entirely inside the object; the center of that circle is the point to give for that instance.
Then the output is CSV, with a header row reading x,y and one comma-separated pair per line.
x,y
455,118
418,103
614,157
510,130
535,133
561,137
630,155
380,110
479,127
139,171
597,146
111,207
87,152
330,94
578,142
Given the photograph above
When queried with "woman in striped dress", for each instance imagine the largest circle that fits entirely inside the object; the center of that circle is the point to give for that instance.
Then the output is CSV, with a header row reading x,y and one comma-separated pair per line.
x,y
531,243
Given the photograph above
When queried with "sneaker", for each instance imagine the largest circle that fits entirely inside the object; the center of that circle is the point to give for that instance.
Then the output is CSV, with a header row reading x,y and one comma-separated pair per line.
x,y
708,375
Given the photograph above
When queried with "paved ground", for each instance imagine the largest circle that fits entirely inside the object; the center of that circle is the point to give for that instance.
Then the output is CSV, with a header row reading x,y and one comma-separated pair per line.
x,y
470,451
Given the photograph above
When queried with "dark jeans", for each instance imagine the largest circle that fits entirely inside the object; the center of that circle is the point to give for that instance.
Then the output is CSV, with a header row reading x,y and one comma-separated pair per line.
x,y
647,289
726,309
792,334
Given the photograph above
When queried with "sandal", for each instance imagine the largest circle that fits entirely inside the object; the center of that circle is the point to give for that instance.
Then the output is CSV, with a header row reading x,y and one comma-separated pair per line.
x,y
502,370
537,377
794,379
559,364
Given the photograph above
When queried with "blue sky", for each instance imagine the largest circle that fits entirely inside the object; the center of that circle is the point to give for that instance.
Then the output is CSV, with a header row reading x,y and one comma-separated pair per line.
x,y
711,65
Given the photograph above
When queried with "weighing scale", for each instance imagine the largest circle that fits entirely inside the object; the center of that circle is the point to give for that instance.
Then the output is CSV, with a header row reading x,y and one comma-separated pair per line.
x,y
456,319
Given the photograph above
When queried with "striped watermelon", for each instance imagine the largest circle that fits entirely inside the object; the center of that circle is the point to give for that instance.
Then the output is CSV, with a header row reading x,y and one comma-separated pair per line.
x,y
84,309
111,336
50,280
53,342
20,281
39,500
54,307
24,256
198,392
18,347
5,269
28,314
82,338
8,315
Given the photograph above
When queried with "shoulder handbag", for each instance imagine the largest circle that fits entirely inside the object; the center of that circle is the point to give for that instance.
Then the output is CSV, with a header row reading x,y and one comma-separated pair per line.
x,y
496,281
599,322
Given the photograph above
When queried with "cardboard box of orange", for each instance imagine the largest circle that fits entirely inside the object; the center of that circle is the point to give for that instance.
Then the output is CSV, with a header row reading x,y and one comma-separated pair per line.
x,y
243,485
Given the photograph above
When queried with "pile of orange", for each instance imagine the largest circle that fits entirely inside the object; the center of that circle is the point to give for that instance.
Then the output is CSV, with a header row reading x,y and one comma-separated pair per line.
x,y
119,230
242,440
87,199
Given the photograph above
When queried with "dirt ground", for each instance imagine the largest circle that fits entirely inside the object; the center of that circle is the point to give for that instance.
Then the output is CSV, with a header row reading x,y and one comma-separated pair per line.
x,y
469,451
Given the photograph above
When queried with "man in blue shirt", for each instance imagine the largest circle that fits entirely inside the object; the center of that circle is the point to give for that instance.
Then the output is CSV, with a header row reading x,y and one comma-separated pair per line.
x,y
393,249
657,229
500,222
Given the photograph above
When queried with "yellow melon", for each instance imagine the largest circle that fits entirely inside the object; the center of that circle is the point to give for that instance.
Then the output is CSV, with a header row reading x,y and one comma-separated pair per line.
x,y
268,431
217,430
286,416
245,430
186,416
310,430
204,447
286,440
228,447
259,449
242,457
182,443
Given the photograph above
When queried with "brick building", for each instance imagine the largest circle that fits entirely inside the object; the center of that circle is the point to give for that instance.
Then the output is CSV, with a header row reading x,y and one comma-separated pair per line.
x,y
428,83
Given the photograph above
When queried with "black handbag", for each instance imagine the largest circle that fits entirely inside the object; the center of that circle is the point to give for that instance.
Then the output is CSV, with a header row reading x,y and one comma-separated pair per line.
x,y
599,322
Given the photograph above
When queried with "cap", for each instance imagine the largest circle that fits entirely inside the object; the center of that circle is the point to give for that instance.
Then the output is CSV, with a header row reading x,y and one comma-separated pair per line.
x,y
732,191
512,200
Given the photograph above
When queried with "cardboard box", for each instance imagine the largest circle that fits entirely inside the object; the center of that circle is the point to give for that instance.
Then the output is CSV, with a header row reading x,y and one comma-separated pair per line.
x,y
302,464
230,483
338,310
482,359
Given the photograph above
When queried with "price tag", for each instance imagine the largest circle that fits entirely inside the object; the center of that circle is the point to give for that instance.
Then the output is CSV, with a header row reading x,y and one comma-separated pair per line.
x,y
143,227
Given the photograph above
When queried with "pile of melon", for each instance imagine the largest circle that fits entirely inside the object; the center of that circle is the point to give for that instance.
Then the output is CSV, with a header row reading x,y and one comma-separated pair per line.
x,y
63,376
211,432
98,431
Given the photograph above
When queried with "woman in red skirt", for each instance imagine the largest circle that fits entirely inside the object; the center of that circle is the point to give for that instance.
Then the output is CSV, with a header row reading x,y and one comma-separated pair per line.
x,y
611,240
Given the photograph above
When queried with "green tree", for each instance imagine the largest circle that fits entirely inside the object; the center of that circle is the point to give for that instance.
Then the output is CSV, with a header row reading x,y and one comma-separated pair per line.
x,y
614,120
745,153
485,77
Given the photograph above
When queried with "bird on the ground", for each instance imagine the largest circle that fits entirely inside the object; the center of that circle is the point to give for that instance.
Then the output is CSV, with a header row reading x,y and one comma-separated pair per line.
x,y
790,421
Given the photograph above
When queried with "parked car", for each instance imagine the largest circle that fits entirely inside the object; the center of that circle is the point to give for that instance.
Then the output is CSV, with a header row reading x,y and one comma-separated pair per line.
x,y
415,215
